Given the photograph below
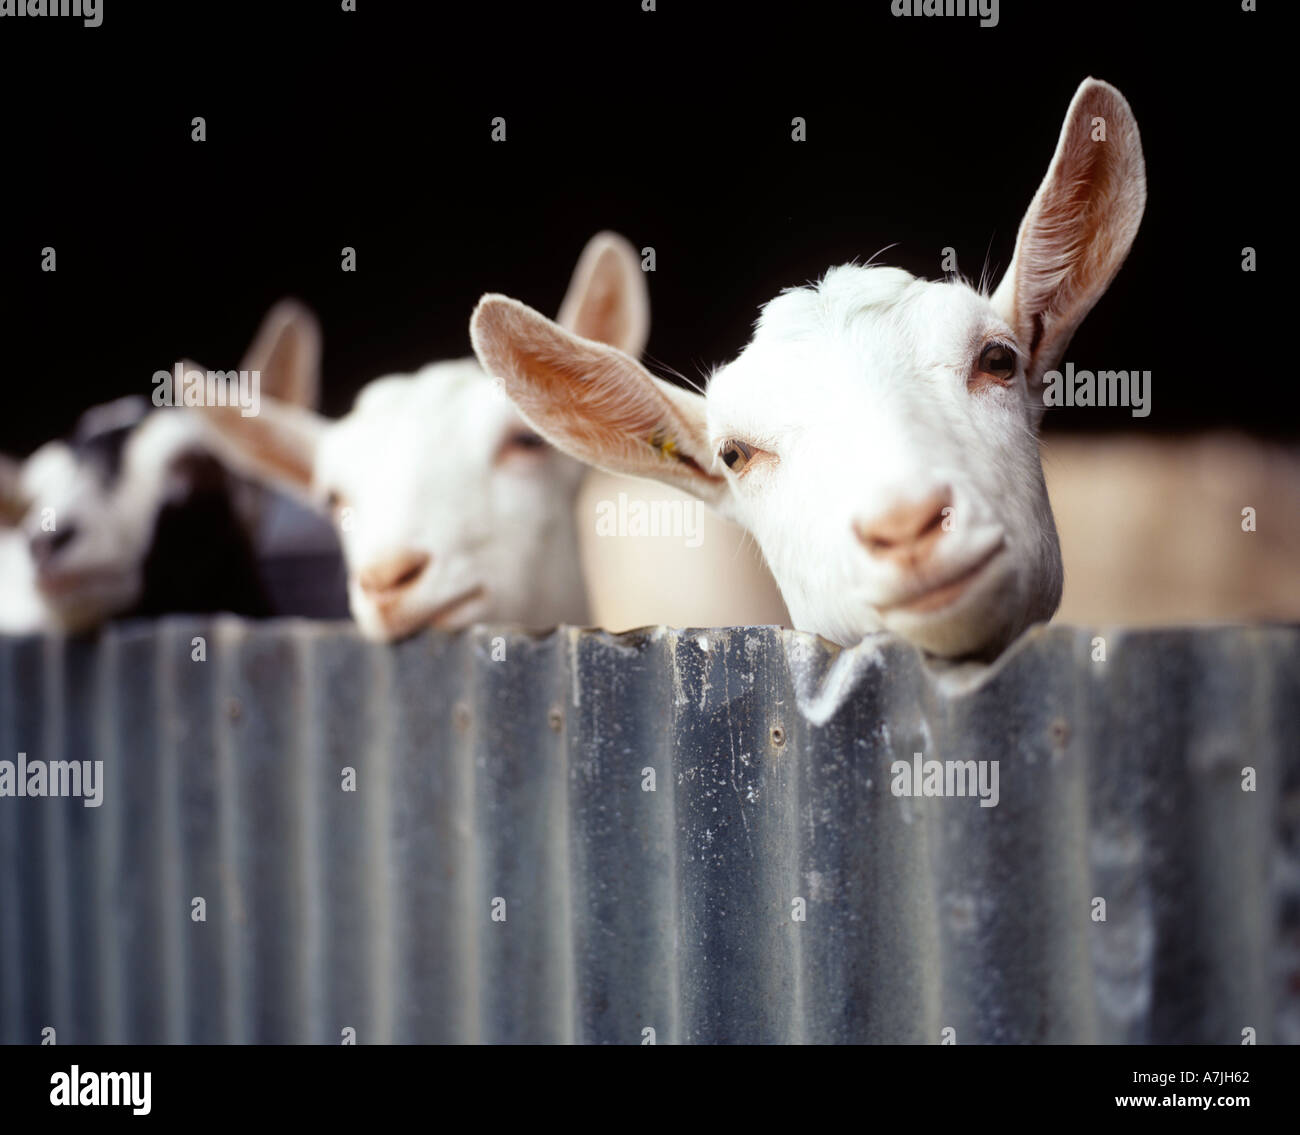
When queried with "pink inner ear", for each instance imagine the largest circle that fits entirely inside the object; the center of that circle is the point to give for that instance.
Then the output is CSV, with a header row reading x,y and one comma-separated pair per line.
x,y
592,401
279,443
287,353
607,300
599,316
284,370
1080,227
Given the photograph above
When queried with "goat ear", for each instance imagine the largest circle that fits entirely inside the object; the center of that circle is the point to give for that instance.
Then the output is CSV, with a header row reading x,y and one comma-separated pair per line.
x,y
13,502
593,401
1079,226
608,300
277,445
286,351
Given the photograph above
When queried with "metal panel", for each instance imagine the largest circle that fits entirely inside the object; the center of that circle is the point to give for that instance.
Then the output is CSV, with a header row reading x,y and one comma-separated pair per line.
x,y
500,765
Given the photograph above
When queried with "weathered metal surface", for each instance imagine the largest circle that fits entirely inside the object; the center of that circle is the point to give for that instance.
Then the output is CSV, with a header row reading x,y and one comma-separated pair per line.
x,y
507,766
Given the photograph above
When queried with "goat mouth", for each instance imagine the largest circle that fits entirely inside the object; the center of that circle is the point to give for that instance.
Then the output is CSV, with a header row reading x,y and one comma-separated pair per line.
x,y
399,624
59,585
439,615
934,596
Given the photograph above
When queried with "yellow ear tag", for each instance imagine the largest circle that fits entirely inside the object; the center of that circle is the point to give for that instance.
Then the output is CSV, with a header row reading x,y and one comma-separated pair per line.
x,y
663,444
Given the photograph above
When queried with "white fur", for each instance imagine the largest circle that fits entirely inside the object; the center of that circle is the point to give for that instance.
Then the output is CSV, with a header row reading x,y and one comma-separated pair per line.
x,y
419,467
863,399
425,479
98,573
879,415
22,610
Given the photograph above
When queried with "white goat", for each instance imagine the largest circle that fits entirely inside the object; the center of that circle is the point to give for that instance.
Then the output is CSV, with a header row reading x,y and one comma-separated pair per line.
x,y
878,434
450,509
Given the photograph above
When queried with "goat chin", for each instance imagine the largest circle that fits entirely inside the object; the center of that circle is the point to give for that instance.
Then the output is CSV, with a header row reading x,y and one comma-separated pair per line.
x,y
979,624
982,623
971,632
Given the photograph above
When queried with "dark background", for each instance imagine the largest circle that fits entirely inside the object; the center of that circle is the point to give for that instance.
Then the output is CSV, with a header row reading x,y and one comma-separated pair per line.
x,y
372,129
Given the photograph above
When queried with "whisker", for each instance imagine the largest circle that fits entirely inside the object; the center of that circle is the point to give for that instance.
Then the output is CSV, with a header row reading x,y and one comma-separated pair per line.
x,y
673,372
872,258
985,279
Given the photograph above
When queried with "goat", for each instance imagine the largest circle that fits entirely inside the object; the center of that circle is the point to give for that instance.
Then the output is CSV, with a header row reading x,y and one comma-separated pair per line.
x,y
449,508
878,435
130,515
134,515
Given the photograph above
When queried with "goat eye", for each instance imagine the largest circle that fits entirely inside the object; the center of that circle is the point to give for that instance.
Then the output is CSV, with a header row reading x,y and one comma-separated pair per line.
x,y
999,361
735,455
524,440
520,443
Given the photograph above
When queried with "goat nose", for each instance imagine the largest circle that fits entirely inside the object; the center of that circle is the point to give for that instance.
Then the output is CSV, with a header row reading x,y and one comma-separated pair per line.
x,y
906,533
394,573
45,545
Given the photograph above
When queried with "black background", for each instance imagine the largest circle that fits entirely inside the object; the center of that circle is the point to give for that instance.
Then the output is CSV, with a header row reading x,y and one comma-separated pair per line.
x,y
372,129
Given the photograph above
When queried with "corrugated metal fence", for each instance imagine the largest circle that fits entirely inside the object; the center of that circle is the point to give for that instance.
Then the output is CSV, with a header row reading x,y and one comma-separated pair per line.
x,y
503,872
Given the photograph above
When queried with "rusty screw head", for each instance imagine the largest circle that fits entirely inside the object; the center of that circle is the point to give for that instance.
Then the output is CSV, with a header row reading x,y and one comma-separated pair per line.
x,y
778,736
555,718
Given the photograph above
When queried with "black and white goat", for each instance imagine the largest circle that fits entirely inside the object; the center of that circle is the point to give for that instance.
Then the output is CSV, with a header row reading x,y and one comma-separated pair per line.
x,y
133,514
